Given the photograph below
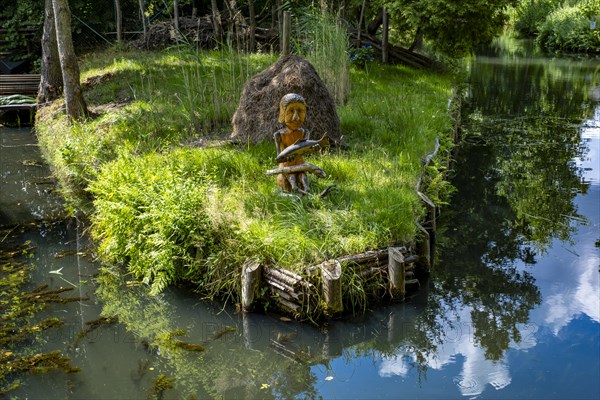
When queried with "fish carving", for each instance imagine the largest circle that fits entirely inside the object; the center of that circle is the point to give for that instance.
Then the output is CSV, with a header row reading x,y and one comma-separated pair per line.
x,y
302,147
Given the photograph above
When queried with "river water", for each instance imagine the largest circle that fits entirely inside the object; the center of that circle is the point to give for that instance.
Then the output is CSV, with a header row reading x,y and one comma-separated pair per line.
x,y
511,310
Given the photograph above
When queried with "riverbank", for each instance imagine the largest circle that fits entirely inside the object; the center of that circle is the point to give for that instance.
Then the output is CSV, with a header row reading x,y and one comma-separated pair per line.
x,y
174,202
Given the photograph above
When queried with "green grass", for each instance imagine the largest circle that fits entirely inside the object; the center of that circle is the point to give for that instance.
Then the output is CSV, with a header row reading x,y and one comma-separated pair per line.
x,y
171,213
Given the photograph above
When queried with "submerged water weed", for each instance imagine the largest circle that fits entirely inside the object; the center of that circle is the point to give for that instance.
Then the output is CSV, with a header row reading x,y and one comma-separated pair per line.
x,y
18,307
159,386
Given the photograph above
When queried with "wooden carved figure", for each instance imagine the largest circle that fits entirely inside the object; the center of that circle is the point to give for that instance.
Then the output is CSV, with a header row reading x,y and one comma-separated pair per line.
x,y
292,112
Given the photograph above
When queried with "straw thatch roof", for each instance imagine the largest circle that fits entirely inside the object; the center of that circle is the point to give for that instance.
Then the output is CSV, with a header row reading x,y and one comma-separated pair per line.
x,y
256,117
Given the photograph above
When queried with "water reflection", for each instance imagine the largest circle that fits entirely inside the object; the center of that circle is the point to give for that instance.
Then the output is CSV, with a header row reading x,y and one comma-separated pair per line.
x,y
512,306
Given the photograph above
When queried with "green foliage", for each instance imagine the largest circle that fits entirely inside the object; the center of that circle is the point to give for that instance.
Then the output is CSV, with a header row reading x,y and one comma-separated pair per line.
x,y
149,214
529,16
179,214
568,29
362,56
452,28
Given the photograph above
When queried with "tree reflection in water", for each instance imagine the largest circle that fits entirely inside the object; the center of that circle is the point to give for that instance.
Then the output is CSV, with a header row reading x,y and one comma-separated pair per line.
x,y
516,179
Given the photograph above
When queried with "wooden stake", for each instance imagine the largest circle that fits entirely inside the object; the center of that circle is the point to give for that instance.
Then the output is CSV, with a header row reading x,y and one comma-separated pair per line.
x,y
384,38
286,34
396,273
331,273
251,275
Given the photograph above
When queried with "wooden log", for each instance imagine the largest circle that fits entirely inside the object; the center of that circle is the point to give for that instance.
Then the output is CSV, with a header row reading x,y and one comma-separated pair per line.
x,y
290,306
280,275
396,273
367,273
293,169
251,277
331,274
278,285
285,294
366,257
290,278
411,259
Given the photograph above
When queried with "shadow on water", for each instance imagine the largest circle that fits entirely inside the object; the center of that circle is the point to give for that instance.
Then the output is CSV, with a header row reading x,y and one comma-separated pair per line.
x,y
518,262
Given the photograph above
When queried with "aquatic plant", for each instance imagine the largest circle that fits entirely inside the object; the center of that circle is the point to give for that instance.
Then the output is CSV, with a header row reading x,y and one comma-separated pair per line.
x,y
18,307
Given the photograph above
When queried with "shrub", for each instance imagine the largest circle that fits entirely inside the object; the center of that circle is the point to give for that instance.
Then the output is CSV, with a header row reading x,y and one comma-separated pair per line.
x,y
528,17
568,30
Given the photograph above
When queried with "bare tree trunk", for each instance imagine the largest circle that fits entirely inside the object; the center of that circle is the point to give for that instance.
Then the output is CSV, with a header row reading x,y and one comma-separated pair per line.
x,y
176,15
76,107
216,19
417,43
143,16
374,25
252,25
360,21
118,21
51,76
384,38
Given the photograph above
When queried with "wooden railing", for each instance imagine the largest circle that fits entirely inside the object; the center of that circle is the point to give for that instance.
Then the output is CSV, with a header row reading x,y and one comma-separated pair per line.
x,y
27,84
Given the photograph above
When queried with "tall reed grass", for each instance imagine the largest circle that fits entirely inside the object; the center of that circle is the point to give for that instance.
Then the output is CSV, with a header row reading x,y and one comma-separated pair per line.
x,y
323,40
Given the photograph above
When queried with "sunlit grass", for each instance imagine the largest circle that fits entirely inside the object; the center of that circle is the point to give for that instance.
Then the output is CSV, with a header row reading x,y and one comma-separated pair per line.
x,y
176,214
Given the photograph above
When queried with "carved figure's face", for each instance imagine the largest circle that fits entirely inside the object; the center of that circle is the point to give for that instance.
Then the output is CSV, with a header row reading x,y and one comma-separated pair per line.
x,y
295,112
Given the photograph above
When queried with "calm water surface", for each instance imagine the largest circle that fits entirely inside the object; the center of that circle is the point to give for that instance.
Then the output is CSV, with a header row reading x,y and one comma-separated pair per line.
x,y
512,309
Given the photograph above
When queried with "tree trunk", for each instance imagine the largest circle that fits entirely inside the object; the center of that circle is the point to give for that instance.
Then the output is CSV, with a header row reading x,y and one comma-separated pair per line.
x,y
75,104
360,21
417,43
143,16
374,25
176,15
51,76
216,19
252,16
384,38
119,21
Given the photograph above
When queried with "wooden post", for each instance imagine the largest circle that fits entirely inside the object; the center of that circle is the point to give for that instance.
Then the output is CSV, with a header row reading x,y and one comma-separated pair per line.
x,y
384,38
331,274
424,248
176,15
286,34
396,273
251,276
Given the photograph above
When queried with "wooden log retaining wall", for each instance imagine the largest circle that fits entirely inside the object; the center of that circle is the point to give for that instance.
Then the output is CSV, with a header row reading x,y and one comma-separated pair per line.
x,y
319,290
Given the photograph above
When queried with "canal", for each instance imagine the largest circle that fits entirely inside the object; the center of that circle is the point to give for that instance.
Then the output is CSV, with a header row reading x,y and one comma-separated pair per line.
x,y
511,310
